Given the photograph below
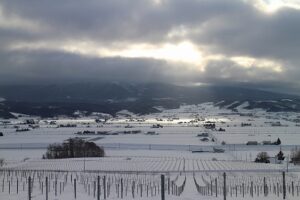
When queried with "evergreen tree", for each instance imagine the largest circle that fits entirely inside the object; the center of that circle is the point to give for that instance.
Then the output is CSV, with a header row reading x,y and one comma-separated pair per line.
x,y
280,155
278,142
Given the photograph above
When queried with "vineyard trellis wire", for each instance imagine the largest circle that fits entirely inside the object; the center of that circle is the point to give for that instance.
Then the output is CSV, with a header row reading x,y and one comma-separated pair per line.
x,y
46,184
239,186
30,184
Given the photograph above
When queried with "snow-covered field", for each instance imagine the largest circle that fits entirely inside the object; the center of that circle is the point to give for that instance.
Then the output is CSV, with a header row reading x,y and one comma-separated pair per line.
x,y
161,143
139,164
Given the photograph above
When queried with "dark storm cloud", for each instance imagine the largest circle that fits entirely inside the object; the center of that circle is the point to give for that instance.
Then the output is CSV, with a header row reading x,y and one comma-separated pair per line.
x,y
224,27
256,34
119,19
53,66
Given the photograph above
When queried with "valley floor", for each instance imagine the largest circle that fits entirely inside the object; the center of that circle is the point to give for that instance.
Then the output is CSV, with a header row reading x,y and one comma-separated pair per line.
x,y
139,149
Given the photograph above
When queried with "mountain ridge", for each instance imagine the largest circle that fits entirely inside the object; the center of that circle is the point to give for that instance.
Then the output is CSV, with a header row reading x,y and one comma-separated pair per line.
x,y
53,100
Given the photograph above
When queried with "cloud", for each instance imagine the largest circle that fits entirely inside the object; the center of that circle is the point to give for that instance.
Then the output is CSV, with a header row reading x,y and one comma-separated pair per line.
x,y
271,6
215,41
53,66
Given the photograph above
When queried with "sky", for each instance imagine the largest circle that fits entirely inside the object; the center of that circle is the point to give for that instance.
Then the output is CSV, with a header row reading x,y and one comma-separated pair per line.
x,y
234,42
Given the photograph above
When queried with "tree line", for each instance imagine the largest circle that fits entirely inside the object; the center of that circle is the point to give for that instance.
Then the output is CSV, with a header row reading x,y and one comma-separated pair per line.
x,y
74,148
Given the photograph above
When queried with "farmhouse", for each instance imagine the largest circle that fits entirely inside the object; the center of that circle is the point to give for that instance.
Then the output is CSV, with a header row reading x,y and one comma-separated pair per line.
x,y
252,143
202,135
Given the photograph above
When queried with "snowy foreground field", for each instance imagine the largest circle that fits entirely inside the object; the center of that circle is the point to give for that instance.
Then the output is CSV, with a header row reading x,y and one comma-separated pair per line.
x,y
172,153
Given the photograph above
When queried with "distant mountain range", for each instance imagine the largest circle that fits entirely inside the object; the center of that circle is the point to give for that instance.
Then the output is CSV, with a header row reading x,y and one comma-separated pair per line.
x,y
54,100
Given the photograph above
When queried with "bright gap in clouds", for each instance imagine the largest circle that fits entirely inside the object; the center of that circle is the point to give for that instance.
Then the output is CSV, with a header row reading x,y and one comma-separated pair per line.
x,y
181,52
271,6
248,62
185,53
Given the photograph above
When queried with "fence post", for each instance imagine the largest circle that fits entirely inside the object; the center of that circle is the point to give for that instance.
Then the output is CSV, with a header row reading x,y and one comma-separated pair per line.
x,y
46,188
75,188
121,188
265,187
98,188
29,188
104,187
216,183
168,185
243,189
283,185
94,189
293,188
55,186
251,189
132,189
211,187
224,187
162,187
